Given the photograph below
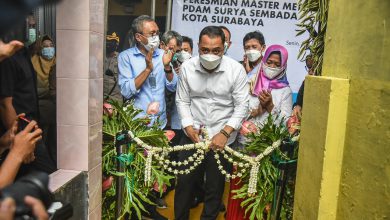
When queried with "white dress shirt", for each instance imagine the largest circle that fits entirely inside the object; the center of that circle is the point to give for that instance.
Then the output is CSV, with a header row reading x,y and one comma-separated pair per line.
x,y
213,99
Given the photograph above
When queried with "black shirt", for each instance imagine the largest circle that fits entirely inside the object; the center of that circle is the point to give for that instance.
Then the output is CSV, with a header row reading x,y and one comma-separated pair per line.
x,y
299,100
18,80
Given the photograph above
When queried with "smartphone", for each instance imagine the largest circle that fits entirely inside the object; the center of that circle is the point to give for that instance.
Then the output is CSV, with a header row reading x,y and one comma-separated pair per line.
x,y
22,123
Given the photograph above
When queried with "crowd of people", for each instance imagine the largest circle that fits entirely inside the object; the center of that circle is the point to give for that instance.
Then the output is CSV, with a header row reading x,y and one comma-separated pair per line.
x,y
27,105
185,93
161,76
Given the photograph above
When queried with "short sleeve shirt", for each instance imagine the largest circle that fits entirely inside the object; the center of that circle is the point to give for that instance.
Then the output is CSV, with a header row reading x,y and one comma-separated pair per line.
x,y
18,80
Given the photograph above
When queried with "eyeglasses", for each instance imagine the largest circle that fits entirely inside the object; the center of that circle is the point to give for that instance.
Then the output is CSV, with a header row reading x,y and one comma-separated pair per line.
x,y
150,34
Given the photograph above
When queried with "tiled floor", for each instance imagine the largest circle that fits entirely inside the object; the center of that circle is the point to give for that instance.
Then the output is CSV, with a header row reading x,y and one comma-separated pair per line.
x,y
195,213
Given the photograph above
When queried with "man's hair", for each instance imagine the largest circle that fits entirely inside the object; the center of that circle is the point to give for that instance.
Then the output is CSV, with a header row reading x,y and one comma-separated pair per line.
x,y
254,35
189,41
212,32
169,35
225,28
138,23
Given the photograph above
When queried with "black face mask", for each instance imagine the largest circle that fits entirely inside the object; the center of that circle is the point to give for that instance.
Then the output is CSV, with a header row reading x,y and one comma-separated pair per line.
x,y
111,46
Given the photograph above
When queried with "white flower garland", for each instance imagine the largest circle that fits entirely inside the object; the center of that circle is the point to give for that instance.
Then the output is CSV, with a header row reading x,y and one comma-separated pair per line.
x,y
148,167
201,149
167,164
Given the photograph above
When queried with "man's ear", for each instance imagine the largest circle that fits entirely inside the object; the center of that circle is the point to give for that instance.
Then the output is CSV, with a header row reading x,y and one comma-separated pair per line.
x,y
137,37
263,48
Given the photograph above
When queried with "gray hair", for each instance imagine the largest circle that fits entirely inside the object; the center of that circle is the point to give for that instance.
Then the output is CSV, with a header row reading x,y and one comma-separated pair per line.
x,y
138,23
169,35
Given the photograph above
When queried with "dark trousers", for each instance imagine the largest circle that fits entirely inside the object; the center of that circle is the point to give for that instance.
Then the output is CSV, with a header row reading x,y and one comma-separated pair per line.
x,y
47,122
186,184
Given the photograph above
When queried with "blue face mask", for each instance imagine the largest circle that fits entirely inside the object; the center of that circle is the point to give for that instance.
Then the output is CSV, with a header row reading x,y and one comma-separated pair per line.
x,y
48,53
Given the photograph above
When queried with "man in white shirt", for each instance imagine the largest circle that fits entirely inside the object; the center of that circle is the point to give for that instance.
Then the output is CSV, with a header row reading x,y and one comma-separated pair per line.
x,y
228,41
212,92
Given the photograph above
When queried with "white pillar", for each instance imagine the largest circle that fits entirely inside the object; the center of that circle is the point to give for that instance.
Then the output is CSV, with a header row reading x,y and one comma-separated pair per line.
x,y
80,37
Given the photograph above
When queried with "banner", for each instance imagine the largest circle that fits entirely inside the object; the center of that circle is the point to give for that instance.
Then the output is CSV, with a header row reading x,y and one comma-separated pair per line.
x,y
275,19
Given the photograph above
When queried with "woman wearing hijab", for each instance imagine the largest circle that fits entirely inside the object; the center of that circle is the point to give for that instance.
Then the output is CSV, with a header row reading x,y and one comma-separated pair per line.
x,y
270,90
270,94
44,65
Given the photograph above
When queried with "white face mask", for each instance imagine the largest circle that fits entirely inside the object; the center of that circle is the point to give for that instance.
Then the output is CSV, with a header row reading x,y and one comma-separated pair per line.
x,y
253,55
270,72
210,61
153,42
183,56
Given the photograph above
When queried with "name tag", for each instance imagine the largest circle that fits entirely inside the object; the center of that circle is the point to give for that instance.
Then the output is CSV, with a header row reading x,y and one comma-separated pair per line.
x,y
152,81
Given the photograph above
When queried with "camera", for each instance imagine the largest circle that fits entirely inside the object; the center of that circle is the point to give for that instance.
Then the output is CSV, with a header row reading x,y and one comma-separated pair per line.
x,y
35,184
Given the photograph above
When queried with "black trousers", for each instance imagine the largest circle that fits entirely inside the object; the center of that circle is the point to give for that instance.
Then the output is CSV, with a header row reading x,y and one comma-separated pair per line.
x,y
214,185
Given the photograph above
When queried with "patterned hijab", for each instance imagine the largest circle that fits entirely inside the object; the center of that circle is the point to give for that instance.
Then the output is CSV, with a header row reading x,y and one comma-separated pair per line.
x,y
262,82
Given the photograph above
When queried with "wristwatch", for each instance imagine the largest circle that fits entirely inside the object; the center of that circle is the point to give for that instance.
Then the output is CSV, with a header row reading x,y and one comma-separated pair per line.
x,y
225,133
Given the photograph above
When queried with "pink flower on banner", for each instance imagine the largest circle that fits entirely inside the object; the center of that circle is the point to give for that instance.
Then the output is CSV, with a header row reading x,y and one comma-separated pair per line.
x,y
145,153
153,108
248,127
169,134
107,183
107,109
156,187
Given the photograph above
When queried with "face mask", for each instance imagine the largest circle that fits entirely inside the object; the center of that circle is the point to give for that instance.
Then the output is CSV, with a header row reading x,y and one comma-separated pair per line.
x,y
153,42
32,35
270,72
174,58
48,53
210,61
225,47
183,56
253,55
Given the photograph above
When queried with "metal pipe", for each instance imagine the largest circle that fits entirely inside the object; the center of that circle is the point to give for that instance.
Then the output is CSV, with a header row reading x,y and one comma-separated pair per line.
x,y
169,16
281,187
121,145
153,13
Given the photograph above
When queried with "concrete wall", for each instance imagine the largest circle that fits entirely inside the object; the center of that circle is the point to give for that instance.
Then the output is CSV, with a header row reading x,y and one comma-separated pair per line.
x,y
361,52
142,8
344,167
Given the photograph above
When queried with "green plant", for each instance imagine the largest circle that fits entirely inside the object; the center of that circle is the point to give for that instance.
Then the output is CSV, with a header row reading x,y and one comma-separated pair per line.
x,y
313,16
136,192
256,206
